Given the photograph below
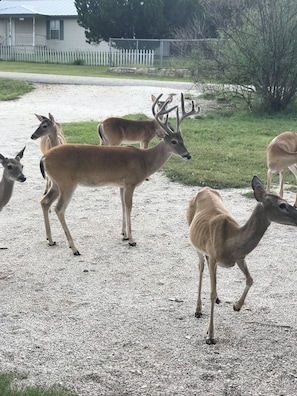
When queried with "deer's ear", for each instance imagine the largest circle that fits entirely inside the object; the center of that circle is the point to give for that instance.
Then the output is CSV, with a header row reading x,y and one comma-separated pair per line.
x,y
2,159
51,117
20,154
160,133
40,117
259,189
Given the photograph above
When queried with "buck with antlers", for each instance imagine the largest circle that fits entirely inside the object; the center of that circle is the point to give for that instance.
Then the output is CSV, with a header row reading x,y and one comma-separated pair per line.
x,y
71,165
51,135
13,171
281,153
115,131
219,239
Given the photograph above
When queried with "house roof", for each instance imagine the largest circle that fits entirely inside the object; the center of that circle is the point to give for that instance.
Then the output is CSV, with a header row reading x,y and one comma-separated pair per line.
x,y
37,7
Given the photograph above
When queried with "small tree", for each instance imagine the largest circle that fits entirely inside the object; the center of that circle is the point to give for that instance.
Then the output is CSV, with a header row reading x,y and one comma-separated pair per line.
x,y
258,49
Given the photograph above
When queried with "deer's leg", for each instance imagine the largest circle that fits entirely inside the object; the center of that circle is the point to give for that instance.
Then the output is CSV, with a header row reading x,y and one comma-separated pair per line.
x,y
281,182
63,202
144,144
198,312
126,198
249,281
47,185
212,266
46,203
293,169
269,177
124,223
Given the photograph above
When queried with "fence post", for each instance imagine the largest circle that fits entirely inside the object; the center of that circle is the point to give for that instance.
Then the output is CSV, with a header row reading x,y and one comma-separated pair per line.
x,y
110,54
161,53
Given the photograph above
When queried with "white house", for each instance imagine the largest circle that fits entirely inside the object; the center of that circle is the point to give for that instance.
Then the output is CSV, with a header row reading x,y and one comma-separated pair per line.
x,y
42,23
48,31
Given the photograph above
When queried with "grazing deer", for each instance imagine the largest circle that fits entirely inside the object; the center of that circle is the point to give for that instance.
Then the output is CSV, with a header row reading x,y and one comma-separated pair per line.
x,y
217,236
281,153
13,171
71,165
115,131
51,135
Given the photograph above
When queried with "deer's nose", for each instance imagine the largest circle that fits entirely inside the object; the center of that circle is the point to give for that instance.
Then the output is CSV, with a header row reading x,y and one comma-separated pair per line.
x,y
21,178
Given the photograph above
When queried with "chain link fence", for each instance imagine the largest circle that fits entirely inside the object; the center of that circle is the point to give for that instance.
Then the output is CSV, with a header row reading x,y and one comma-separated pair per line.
x,y
168,53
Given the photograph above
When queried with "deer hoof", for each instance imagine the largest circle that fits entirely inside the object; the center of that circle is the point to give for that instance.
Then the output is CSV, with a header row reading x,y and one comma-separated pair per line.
x,y
236,308
132,243
210,341
198,314
52,244
218,301
76,253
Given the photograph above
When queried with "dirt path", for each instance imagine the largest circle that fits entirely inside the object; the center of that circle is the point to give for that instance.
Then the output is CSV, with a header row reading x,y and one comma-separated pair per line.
x,y
120,321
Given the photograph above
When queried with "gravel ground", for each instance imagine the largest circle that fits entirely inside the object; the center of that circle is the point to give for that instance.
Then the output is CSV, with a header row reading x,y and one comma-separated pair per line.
x,y
118,320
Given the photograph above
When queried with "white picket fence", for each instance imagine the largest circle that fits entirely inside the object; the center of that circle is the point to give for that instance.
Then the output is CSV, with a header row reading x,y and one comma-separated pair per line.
x,y
89,58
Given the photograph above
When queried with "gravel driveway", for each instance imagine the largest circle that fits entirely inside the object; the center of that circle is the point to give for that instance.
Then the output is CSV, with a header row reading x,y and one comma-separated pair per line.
x,y
120,321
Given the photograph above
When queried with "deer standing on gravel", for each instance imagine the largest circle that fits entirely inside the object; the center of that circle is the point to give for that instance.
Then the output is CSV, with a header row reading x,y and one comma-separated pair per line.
x,y
115,131
281,153
51,134
219,239
13,171
71,165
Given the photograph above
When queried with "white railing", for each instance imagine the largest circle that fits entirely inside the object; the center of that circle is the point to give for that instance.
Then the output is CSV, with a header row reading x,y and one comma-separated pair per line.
x,y
89,58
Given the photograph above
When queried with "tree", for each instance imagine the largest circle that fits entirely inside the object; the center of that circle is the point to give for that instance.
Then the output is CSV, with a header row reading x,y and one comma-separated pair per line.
x,y
258,49
144,19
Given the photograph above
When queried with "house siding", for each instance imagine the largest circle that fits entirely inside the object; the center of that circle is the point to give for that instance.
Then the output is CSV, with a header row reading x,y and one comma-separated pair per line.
x,y
74,37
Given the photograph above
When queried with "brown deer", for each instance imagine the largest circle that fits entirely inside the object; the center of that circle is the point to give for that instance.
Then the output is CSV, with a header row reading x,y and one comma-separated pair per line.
x,y
281,153
115,131
51,134
219,239
70,165
13,171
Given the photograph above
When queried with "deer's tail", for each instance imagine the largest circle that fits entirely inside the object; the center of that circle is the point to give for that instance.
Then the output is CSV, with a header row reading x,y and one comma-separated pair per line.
x,y
103,139
41,166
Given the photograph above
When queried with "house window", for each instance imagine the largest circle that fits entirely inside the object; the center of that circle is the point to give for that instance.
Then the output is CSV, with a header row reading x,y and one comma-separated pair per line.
x,y
55,29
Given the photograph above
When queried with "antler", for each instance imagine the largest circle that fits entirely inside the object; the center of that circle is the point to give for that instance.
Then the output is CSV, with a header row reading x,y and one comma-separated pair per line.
x,y
184,113
163,111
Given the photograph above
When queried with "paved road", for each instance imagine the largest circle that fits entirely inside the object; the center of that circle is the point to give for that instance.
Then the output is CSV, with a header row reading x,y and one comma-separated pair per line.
x,y
79,80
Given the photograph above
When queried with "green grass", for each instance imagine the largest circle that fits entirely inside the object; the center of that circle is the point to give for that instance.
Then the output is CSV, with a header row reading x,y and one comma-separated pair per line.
x,y
11,89
226,151
7,388
74,70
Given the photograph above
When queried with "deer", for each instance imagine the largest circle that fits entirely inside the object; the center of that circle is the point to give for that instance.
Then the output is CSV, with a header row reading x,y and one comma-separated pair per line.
x,y
51,134
281,153
13,171
220,240
115,131
71,165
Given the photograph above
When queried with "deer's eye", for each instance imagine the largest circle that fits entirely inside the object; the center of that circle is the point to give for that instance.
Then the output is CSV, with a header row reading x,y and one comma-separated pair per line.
x,y
173,142
9,166
282,205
